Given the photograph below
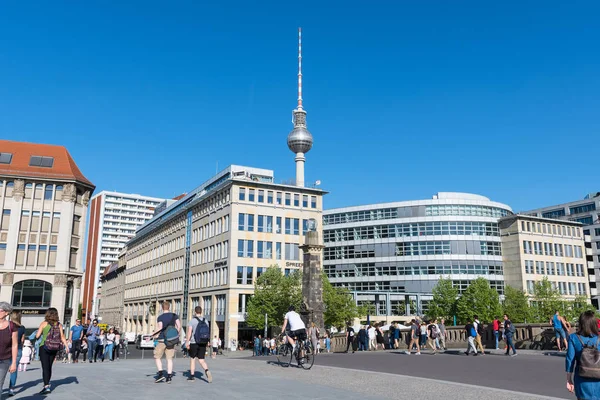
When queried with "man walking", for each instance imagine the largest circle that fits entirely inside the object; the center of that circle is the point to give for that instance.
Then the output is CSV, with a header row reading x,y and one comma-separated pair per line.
x,y
559,324
93,331
415,333
197,349
164,321
442,338
433,333
471,335
509,331
480,331
496,326
76,333
349,337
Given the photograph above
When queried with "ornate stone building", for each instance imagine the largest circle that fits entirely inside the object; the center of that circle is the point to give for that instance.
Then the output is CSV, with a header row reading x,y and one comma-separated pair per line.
x,y
43,200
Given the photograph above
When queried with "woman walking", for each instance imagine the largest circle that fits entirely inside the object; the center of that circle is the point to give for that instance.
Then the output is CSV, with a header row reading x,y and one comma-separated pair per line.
x,y
117,346
15,318
586,335
110,343
52,337
100,343
313,333
380,340
9,344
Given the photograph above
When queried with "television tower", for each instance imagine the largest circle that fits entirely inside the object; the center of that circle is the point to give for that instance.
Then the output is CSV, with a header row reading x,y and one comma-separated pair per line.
x,y
300,140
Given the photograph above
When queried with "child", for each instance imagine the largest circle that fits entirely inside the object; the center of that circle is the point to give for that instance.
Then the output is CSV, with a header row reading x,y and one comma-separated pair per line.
x,y
26,356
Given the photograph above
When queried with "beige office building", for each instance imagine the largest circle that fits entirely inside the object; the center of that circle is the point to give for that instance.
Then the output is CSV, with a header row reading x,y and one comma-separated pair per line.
x,y
209,248
113,285
43,200
534,248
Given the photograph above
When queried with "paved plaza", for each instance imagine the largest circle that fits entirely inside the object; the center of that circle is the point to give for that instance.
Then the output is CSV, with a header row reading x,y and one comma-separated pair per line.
x,y
348,376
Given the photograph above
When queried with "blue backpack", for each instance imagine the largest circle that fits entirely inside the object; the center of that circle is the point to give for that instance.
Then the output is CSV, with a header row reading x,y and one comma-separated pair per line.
x,y
202,333
473,332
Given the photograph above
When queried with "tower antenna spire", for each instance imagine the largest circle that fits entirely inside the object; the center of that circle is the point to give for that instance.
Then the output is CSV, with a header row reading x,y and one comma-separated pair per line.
x,y
299,68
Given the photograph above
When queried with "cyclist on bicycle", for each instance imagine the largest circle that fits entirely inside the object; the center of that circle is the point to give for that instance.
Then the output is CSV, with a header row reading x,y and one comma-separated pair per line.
x,y
297,327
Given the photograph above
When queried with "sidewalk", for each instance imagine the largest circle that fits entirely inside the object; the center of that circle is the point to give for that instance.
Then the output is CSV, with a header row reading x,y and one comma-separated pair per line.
x,y
241,379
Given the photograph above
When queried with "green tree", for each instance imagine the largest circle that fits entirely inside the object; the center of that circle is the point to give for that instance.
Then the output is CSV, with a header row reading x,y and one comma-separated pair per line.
x,y
574,309
340,307
479,299
444,300
366,309
516,305
401,308
546,301
274,292
79,311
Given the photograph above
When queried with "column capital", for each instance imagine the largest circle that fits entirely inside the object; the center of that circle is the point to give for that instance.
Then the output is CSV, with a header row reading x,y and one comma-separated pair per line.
x,y
69,193
8,278
60,280
19,189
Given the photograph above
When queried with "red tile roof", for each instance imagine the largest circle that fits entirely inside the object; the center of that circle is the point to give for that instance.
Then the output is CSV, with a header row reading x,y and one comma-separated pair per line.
x,y
64,166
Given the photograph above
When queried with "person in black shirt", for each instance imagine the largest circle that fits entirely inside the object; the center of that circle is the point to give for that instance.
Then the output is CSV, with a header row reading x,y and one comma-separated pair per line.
x,y
349,337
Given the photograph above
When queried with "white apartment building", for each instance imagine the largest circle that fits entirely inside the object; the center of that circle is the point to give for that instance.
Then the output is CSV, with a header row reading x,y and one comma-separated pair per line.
x,y
114,218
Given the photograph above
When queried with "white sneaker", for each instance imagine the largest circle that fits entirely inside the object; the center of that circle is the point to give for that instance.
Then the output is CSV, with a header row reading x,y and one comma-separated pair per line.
x,y
418,353
407,353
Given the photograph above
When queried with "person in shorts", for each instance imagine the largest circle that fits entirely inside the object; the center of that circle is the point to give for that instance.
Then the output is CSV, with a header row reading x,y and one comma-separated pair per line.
x,y
166,319
559,324
197,351
297,327
215,347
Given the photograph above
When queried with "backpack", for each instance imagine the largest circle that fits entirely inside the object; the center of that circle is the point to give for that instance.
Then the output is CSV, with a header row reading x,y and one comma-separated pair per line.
x,y
511,328
53,341
589,361
434,331
171,334
473,332
480,329
202,333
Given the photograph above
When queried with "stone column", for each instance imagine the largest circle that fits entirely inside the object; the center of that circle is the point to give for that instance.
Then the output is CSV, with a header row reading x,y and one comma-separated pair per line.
x,y
76,302
59,293
13,226
7,286
312,280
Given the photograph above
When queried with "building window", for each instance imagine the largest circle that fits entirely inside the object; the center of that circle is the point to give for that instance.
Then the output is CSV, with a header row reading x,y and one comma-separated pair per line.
x,y
245,248
40,161
288,199
265,223
5,158
261,196
242,194
244,275
269,197
32,293
528,267
296,200
58,193
583,208
291,251
264,249
48,192
555,214
278,225
279,199
304,201
278,250
527,247
251,194
246,222
313,201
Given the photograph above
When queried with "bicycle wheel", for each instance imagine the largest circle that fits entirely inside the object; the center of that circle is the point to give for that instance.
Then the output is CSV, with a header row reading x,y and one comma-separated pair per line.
x,y
283,352
308,356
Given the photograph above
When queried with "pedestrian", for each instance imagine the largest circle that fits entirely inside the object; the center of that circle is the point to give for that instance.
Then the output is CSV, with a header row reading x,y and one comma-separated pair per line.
x,y
559,324
391,332
76,335
363,339
442,337
92,333
579,380
257,344
415,333
52,334
480,330
423,334
328,343
215,347
100,343
471,335
15,318
198,335
509,332
349,337
110,344
26,356
496,327
372,338
379,337
84,348
167,323
117,345
433,334
9,344
397,336
313,334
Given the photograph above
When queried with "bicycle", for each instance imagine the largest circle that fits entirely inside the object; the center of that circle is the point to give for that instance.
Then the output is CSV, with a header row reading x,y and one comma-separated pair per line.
x,y
304,353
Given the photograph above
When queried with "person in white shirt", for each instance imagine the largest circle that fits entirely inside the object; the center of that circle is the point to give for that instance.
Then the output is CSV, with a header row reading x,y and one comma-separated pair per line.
x,y
297,327
272,346
215,347
372,337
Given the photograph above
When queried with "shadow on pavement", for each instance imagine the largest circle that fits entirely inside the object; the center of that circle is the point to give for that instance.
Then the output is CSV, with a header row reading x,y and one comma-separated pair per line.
x,y
39,382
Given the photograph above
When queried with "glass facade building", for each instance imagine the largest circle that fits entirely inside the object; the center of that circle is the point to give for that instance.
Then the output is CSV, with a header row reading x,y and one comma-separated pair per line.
x,y
391,255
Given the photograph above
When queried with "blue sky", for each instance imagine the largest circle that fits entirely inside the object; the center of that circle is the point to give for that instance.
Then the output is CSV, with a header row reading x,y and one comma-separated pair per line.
x,y
404,99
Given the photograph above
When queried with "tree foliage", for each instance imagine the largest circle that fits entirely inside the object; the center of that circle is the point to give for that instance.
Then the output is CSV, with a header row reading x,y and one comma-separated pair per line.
x,y
575,308
274,292
516,305
444,301
339,305
478,299
546,301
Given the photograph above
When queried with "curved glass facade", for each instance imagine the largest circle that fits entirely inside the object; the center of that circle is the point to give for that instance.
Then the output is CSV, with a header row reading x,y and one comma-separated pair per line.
x,y
391,255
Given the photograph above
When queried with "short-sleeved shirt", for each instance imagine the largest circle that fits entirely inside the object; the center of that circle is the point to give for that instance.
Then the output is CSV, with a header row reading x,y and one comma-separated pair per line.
x,y
442,328
350,331
76,332
167,319
194,324
295,321
92,332
415,331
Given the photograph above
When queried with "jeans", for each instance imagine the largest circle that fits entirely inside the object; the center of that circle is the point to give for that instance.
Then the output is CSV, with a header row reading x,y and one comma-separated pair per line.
x,y
47,358
361,345
510,343
4,366
75,349
37,350
100,351
13,376
496,336
91,349
108,349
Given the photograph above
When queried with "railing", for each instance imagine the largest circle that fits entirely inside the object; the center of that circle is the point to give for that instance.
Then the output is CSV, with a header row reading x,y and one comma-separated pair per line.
x,y
526,336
